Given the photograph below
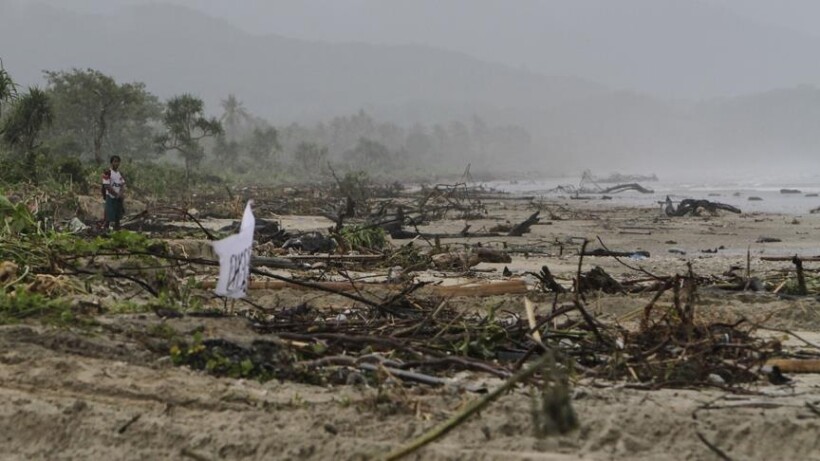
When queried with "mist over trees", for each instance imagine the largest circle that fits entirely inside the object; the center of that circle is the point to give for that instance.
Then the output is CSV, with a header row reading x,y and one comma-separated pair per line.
x,y
185,127
30,114
85,116
96,117
8,89
361,142
287,107
423,100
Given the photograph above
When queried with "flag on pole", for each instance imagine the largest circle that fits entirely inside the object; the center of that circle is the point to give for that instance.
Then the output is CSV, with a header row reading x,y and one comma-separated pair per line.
x,y
235,258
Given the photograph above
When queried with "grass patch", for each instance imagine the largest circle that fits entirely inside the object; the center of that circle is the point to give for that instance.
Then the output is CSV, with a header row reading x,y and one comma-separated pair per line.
x,y
19,305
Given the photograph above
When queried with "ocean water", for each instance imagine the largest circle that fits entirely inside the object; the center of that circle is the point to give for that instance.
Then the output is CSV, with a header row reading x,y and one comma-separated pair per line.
x,y
735,192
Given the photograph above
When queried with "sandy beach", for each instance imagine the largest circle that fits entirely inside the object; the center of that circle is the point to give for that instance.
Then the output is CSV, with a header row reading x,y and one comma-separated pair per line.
x,y
114,394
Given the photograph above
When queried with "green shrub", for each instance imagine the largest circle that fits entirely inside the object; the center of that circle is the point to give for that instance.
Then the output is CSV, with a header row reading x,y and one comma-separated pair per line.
x,y
20,304
368,237
16,219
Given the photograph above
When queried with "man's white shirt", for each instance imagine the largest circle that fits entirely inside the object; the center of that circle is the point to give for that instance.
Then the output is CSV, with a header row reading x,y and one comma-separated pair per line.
x,y
116,181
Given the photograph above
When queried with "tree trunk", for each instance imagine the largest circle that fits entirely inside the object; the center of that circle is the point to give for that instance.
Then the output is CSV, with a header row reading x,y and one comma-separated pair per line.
x,y
31,162
98,140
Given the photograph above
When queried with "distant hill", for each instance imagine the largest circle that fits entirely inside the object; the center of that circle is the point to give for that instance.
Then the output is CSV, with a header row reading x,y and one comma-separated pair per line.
x,y
175,49
575,124
667,48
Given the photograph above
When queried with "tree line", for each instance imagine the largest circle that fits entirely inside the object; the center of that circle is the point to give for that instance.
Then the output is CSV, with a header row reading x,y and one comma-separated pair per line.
x,y
82,116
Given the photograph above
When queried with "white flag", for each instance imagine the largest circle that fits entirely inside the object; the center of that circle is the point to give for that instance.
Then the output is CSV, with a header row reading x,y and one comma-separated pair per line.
x,y
235,258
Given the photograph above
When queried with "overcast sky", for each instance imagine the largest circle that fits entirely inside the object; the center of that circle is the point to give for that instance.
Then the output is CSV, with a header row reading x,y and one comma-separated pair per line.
x,y
728,77
690,49
340,19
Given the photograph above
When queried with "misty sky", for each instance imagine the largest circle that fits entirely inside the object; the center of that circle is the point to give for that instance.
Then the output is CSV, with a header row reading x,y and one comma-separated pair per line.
x,y
340,19
628,82
524,34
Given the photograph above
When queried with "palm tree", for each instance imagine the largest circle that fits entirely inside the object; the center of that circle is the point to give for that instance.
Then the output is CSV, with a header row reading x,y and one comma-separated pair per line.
x,y
234,115
29,116
8,89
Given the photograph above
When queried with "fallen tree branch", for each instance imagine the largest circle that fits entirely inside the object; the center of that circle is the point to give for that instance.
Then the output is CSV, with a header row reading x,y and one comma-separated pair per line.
x,y
486,289
474,407
523,227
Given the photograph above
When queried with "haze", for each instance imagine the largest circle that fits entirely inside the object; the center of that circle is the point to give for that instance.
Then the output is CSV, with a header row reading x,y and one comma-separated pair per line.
x,y
649,85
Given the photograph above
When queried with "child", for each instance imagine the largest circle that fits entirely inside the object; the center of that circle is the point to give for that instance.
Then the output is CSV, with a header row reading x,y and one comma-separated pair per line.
x,y
113,190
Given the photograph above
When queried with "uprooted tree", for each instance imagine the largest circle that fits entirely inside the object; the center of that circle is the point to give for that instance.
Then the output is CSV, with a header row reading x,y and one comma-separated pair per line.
x,y
694,207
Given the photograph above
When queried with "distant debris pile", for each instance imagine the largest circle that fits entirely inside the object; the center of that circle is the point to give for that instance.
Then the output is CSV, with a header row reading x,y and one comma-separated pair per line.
x,y
589,183
618,178
692,207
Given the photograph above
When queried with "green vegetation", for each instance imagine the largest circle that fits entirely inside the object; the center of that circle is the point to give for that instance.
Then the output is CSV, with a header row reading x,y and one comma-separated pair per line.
x,y
30,115
64,132
261,360
367,237
185,127
15,219
55,141
8,89
118,240
20,304
94,114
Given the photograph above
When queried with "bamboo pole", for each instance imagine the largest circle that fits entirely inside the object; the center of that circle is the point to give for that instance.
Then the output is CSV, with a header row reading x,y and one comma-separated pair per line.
x,y
468,290
795,365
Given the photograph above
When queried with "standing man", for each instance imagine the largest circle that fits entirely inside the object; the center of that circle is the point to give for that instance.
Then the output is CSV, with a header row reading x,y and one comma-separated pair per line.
x,y
113,184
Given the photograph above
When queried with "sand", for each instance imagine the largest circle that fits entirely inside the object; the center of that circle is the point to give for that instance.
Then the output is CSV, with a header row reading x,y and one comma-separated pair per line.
x,y
71,394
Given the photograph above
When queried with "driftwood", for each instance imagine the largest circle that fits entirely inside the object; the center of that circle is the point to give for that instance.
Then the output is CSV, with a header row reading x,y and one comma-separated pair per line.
x,y
619,254
548,282
487,289
395,228
587,177
477,290
522,228
626,187
473,407
401,234
331,257
598,279
279,263
790,258
795,365
693,207
465,259
311,242
801,278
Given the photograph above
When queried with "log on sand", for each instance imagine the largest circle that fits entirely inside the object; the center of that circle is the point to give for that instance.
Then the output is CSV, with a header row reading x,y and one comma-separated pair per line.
x,y
467,289
524,226
625,187
790,258
795,365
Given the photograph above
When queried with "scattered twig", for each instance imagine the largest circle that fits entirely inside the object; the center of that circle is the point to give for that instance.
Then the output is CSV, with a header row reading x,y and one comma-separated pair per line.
x,y
638,269
720,453
193,455
128,424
